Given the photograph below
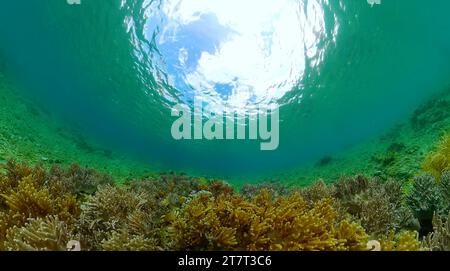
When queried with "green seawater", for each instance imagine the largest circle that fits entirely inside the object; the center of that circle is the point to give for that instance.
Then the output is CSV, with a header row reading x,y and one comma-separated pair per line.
x,y
95,83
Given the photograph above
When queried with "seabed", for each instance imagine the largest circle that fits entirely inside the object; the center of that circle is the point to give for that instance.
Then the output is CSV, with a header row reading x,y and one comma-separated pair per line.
x,y
59,191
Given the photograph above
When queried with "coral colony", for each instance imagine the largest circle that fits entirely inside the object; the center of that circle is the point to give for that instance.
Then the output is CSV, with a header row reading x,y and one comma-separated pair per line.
x,y
226,124
79,208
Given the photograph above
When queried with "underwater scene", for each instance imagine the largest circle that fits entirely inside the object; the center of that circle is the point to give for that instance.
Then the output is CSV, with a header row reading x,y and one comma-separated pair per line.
x,y
230,125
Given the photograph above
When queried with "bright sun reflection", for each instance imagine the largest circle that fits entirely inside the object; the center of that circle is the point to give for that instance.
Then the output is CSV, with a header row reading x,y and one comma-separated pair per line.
x,y
237,53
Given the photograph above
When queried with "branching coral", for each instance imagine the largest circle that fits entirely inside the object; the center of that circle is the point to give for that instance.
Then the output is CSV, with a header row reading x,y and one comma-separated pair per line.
x,y
27,195
42,210
424,200
317,191
439,239
78,180
124,241
376,204
47,233
286,223
403,241
277,189
28,200
438,161
105,212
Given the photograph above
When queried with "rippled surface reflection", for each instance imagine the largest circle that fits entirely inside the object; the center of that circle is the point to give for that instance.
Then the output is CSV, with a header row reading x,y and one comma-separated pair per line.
x,y
232,53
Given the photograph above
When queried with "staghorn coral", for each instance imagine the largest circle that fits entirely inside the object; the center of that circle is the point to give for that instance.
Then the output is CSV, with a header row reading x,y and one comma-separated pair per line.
x,y
26,194
218,188
47,233
264,223
78,180
28,200
316,192
277,189
122,240
40,210
347,187
105,212
438,161
403,241
168,190
13,174
439,239
376,204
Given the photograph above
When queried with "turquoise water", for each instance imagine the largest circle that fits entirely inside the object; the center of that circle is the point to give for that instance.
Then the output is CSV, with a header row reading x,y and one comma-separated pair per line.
x,y
340,72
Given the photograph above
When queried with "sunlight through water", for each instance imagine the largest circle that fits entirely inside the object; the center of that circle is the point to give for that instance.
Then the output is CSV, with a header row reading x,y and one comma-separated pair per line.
x,y
234,57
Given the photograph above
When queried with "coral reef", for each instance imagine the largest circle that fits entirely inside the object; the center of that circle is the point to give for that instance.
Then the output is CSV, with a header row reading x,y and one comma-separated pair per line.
x,y
265,223
44,209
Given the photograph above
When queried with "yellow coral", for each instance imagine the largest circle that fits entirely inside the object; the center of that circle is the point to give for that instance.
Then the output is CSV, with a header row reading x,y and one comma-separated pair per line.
x,y
25,194
124,241
403,241
31,201
438,161
287,223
